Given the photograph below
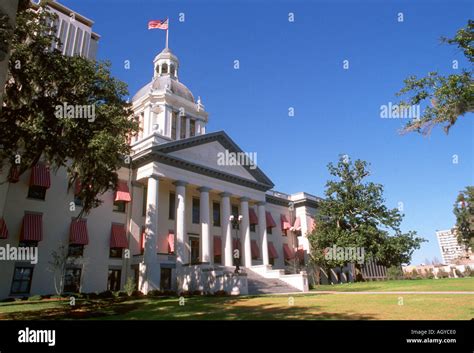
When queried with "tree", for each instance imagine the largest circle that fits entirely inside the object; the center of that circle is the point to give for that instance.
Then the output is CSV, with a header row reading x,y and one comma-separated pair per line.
x,y
353,216
47,96
450,96
57,265
464,212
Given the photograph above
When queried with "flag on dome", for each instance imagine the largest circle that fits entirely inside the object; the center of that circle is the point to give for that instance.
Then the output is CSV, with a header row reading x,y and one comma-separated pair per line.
x,y
158,24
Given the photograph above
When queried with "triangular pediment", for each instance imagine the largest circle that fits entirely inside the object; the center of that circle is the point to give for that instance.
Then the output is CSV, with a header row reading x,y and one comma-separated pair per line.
x,y
217,152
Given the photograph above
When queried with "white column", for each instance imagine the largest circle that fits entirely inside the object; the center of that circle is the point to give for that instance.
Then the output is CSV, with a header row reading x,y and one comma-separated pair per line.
x,y
205,224
181,253
262,231
149,268
226,228
188,127
178,126
245,231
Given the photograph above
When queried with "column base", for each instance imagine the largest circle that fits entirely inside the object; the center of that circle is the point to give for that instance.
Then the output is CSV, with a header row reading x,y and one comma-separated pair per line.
x,y
149,277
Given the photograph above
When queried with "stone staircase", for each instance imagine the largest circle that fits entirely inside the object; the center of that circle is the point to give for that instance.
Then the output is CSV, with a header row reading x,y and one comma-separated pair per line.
x,y
258,284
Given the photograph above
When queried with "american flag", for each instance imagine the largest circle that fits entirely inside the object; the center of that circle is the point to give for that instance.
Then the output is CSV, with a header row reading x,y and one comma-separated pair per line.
x,y
158,24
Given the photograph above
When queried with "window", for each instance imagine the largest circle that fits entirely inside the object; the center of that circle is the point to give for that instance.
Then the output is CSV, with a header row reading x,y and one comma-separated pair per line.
x,y
75,250
217,259
182,133
235,213
145,192
269,230
165,279
174,117
192,127
119,206
271,260
72,280
37,192
164,68
172,206
216,214
113,283
196,215
252,227
115,253
22,277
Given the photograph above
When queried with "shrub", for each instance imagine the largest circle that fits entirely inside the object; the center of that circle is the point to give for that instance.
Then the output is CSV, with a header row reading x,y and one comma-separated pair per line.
x,y
137,293
155,293
442,274
458,273
106,294
34,298
197,292
430,274
46,296
394,272
122,294
7,300
129,286
169,293
468,272
220,293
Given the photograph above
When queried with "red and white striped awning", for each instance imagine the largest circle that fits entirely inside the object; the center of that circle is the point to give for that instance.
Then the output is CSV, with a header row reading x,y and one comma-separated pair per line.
x,y
122,193
78,232
270,221
287,252
254,248
297,225
217,246
40,176
272,253
118,237
284,222
32,228
253,216
142,238
3,229
170,241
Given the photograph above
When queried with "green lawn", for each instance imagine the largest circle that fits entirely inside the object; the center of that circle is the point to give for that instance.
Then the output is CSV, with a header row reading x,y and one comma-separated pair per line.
x,y
420,285
306,307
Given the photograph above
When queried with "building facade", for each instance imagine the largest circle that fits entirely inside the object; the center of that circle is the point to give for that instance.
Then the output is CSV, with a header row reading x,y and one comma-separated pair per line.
x,y
450,249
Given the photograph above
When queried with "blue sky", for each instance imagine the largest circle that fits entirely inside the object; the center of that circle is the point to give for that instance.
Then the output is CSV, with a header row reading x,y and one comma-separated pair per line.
x,y
300,65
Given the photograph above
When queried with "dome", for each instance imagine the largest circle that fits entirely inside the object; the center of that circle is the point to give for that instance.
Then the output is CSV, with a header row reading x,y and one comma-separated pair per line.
x,y
167,54
159,85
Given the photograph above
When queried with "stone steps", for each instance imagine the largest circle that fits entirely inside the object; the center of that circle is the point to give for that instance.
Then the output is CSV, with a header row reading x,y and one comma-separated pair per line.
x,y
260,285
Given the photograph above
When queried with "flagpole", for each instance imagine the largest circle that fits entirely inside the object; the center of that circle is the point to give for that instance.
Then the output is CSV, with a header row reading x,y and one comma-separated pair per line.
x,y
167,33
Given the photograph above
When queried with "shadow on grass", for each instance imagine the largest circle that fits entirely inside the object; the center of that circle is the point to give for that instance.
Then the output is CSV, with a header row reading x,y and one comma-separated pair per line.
x,y
195,308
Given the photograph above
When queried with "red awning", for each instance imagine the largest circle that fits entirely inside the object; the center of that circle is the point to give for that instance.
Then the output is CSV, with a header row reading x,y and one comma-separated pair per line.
x,y
255,249
40,176
122,193
118,237
236,244
78,232
217,246
253,216
284,222
14,174
32,228
3,229
270,221
272,251
142,239
170,241
297,225
287,252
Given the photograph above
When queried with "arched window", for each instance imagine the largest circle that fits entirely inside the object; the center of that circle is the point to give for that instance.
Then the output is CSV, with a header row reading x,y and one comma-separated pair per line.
x,y
164,68
172,70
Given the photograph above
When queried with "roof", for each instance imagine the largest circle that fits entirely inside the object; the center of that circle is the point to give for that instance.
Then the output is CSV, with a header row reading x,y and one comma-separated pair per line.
x,y
159,85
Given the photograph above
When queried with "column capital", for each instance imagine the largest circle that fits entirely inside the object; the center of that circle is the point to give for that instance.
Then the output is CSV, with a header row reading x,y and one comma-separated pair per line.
x,y
180,183
154,176
204,189
244,199
225,194
261,203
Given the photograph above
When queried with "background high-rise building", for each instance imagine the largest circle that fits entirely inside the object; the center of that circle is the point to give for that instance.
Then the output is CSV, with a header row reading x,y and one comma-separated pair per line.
x,y
449,246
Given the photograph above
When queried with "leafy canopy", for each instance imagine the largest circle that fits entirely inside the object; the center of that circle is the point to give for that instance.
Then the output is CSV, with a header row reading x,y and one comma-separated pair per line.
x,y
450,97
353,215
39,81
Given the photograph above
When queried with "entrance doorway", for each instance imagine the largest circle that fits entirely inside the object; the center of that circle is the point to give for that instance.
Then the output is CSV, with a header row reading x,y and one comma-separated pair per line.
x,y
194,245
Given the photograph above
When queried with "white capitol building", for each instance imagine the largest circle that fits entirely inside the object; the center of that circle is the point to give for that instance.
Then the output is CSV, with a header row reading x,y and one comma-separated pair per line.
x,y
174,221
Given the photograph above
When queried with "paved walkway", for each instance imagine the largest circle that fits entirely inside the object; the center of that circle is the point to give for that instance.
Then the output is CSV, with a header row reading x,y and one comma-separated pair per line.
x,y
367,292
